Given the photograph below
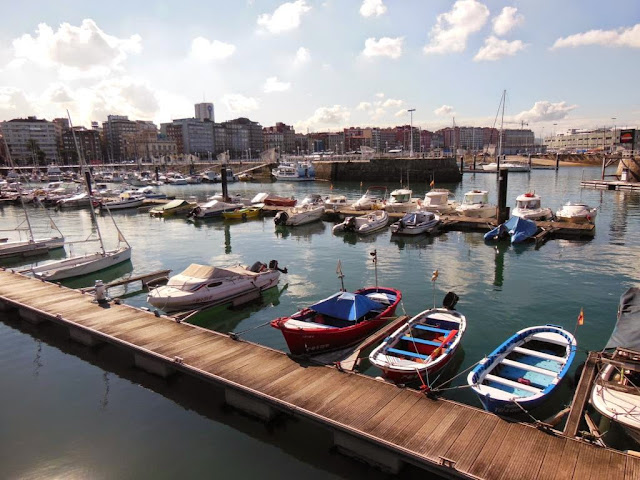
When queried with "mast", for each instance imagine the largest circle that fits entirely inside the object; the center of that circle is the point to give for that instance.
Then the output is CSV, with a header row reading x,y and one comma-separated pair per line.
x,y
87,179
26,214
504,95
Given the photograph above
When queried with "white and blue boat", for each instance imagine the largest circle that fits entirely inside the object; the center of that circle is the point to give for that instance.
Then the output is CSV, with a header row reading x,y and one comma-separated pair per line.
x,y
519,229
522,372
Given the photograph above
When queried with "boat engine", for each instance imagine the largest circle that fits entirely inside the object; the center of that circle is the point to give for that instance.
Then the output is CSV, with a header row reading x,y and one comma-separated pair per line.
x,y
350,224
450,300
193,212
281,218
273,265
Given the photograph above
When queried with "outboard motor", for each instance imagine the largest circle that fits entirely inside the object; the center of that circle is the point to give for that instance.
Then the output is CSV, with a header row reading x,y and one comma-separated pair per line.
x,y
193,212
273,265
256,267
450,300
350,224
281,218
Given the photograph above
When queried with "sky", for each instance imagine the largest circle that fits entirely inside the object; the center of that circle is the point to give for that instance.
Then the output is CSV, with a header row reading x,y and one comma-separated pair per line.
x,y
328,64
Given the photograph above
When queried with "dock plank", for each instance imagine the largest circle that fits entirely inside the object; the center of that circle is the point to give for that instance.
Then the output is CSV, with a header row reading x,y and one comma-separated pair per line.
x,y
467,447
483,462
566,466
527,457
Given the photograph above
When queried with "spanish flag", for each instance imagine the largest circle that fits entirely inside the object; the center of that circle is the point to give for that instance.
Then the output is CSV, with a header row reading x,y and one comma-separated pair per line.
x,y
581,317
433,182
331,187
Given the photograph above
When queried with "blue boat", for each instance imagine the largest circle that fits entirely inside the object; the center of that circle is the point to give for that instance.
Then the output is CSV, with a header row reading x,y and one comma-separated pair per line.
x,y
519,229
522,372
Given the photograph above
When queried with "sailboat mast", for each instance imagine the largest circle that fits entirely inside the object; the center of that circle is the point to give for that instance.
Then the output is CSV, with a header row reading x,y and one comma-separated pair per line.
x,y
504,95
19,186
86,174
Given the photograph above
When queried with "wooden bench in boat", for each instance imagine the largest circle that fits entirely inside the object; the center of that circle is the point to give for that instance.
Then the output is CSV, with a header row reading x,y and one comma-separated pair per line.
x,y
534,353
397,351
432,329
531,368
511,383
420,340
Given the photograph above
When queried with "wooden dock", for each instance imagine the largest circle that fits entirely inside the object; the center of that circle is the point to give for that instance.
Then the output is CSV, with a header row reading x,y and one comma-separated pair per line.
x,y
373,420
611,185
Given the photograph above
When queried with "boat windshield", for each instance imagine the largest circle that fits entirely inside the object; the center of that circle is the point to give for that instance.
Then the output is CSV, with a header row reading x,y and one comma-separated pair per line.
x,y
401,197
475,198
528,204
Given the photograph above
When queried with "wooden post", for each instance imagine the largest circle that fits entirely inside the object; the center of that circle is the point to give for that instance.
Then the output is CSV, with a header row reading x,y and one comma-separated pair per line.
x,y
474,161
604,164
557,161
223,179
461,163
529,161
503,210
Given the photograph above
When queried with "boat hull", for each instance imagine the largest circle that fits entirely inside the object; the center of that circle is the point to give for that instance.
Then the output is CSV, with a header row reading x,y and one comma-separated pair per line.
x,y
25,248
84,265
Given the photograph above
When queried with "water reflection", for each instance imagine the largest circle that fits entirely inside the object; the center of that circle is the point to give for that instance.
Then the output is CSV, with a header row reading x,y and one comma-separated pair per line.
x,y
301,232
352,238
412,242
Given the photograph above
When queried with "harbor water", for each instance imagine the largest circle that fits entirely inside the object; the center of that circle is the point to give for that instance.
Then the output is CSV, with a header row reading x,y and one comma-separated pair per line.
x,y
74,412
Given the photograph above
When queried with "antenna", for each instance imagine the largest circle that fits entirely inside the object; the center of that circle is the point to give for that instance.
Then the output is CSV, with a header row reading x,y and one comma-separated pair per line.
x,y
340,275
374,254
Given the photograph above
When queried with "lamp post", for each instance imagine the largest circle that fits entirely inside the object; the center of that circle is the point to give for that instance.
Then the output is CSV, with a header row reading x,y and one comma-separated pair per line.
x,y
553,135
411,110
613,138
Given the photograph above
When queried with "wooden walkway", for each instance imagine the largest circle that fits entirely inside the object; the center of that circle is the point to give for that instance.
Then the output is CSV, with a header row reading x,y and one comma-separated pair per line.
x,y
445,437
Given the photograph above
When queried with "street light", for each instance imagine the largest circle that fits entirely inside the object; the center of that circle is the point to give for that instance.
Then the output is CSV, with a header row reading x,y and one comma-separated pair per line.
x,y
411,110
613,139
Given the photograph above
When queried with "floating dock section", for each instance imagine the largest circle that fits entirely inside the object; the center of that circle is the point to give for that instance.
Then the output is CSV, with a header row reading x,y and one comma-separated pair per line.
x,y
375,421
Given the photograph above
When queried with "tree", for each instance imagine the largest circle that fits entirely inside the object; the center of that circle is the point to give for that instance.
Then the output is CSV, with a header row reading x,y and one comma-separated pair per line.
x,y
40,156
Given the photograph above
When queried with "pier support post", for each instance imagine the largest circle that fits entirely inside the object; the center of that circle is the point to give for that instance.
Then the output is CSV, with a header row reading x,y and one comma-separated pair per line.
x,y
503,210
153,366
83,337
474,161
6,306
223,179
367,452
461,163
251,406
557,161
30,316
529,159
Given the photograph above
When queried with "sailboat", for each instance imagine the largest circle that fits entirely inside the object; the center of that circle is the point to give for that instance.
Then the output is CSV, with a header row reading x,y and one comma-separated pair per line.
x,y
92,262
31,246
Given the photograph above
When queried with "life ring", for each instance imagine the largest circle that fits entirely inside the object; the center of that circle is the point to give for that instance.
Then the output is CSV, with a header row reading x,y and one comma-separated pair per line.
x,y
244,216
529,195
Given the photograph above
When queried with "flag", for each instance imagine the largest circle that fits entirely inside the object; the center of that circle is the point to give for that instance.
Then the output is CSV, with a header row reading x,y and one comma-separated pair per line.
x,y
331,187
433,182
581,317
434,276
360,183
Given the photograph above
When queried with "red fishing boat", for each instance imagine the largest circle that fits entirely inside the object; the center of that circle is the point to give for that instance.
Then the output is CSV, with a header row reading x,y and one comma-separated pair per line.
x,y
341,320
276,201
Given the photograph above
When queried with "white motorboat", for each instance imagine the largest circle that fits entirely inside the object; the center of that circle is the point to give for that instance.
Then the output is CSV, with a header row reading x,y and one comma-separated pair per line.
x,y
125,200
400,201
299,215
476,204
577,213
194,179
212,209
201,285
74,201
149,192
415,223
364,224
528,206
336,202
295,172
437,200
217,177
510,166
177,179
312,199
373,199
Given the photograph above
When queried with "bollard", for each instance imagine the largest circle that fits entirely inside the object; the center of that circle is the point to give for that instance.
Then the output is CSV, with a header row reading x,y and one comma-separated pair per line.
x,y
101,292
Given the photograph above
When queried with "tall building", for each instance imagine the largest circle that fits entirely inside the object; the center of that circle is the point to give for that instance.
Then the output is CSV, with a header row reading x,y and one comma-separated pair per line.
x,y
192,136
31,140
244,137
204,111
281,137
356,137
88,143
115,129
516,141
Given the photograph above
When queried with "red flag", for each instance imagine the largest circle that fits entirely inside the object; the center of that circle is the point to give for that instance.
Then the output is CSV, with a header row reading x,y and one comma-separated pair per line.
x,y
581,317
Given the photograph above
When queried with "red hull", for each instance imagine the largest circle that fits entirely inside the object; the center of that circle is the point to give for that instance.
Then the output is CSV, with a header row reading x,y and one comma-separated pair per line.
x,y
280,202
304,341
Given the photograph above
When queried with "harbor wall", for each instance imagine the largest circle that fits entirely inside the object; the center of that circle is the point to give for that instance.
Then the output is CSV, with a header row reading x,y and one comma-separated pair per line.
x,y
441,170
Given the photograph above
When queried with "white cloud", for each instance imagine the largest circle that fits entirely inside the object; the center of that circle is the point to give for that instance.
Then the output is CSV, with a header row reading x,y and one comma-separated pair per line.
x,y
507,20
15,103
204,50
284,18
621,37
495,48
452,28
274,85
400,113
327,117
545,111
444,111
77,51
237,103
370,8
58,93
385,47
392,103
364,106
302,56
380,95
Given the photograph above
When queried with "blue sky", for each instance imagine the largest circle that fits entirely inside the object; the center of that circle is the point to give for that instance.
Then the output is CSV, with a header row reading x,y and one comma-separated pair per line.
x,y
325,65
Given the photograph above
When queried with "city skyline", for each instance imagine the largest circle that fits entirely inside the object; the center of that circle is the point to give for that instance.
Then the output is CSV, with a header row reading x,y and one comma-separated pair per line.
x,y
327,65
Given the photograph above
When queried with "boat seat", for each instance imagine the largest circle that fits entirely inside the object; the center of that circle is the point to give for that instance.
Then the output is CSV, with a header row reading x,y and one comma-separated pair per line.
x,y
432,329
511,383
534,353
420,340
531,368
407,353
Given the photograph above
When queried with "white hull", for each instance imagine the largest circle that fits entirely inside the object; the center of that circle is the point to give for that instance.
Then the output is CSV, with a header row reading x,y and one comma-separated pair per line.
x,y
477,211
364,225
120,205
83,265
511,167
25,247
403,207
537,214
577,213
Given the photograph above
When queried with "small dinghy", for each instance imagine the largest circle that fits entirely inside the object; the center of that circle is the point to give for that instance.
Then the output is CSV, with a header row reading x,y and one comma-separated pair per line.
x,y
422,346
517,228
365,224
339,320
523,371
577,213
415,223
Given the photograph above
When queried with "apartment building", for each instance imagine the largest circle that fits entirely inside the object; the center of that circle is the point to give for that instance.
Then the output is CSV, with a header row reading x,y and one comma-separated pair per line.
x,y
31,140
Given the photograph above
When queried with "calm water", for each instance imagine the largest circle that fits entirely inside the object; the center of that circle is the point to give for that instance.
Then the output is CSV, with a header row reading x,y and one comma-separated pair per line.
x,y
79,413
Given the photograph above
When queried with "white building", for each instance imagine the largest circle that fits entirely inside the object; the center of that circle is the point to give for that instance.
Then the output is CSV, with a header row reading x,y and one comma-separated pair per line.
x,y
204,111
31,139
578,141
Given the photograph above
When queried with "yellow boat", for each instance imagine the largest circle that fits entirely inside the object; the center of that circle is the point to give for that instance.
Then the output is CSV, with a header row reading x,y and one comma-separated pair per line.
x,y
242,213
174,207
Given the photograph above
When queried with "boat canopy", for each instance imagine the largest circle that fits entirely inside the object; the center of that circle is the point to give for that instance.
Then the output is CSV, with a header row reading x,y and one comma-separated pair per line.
x,y
172,204
196,274
346,306
626,333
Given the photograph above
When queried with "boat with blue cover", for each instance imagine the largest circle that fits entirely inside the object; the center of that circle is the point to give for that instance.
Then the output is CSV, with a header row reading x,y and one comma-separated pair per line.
x,y
523,371
519,229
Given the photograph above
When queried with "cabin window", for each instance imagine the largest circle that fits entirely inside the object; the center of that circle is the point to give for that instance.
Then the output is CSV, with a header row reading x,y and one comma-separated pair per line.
x,y
214,284
403,197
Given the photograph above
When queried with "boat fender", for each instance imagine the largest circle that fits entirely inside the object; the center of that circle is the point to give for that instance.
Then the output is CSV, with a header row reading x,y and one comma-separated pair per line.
x,y
450,300
524,381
